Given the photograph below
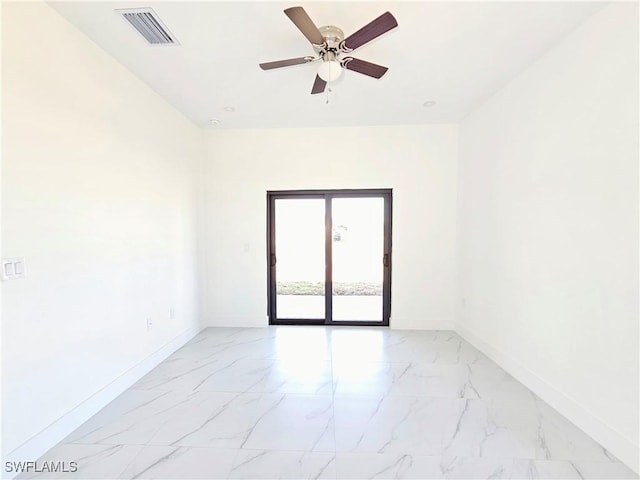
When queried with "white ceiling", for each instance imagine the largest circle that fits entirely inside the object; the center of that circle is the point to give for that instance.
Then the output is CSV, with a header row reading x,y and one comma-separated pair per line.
x,y
455,53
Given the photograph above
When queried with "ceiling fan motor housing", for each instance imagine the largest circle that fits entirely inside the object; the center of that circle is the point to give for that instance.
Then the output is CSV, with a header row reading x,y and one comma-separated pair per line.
x,y
332,36
330,68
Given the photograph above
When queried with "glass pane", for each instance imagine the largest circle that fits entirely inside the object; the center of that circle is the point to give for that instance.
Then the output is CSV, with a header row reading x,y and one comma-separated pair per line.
x,y
358,248
300,265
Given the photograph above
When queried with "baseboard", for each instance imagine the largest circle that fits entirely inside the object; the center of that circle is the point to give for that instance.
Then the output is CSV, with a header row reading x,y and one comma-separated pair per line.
x,y
238,322
394,323
619,445
410,324
40,443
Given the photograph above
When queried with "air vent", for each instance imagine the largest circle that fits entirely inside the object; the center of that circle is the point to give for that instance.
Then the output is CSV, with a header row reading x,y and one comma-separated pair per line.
x,y
147,23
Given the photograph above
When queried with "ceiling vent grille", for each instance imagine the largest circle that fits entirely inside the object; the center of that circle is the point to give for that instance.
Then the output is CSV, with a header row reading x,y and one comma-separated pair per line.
x,y
147,23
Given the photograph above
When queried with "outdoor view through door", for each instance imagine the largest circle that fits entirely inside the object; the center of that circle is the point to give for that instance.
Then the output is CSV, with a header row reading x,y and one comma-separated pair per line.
x,y
329,257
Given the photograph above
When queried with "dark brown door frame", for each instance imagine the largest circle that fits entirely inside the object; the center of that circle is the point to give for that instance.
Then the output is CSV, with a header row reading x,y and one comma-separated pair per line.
x,y
328,195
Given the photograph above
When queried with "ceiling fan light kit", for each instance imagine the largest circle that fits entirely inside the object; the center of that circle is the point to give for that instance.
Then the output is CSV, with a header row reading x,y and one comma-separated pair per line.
x,y
329,70
330,46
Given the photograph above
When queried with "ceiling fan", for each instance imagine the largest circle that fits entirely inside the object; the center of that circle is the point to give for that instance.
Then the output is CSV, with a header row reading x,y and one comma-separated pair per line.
x,y
331,47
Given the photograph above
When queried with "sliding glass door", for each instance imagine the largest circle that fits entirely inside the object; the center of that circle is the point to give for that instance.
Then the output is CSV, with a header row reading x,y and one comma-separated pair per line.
x,y
329,256
300,265
357,258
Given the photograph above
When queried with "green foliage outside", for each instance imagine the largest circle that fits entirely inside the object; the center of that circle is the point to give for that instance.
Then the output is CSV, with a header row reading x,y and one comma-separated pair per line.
x,y
339,288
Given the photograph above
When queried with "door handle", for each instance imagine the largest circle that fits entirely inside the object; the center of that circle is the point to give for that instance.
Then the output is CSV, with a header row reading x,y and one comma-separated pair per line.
x,y
272,260
385,260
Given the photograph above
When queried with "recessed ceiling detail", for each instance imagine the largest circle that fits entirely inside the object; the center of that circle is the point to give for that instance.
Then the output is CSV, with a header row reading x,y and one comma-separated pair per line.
x,y
147,24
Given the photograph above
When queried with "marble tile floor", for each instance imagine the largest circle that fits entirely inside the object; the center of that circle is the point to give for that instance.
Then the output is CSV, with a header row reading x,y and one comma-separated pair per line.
x,y
331,402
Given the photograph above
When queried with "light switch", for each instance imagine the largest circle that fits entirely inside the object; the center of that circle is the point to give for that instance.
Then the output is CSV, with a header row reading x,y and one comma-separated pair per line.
x,y
12,268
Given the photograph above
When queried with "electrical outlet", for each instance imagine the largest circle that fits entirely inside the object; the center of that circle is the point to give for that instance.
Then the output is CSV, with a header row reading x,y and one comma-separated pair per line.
x,y
149,324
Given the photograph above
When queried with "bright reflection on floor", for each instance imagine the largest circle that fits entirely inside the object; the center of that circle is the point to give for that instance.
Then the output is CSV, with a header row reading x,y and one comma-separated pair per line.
x,y
358,345
302,353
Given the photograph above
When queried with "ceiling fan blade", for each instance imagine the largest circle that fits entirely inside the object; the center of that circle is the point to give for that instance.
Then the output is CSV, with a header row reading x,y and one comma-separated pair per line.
x,y
366,68
285,63
318,86
301,20
380,25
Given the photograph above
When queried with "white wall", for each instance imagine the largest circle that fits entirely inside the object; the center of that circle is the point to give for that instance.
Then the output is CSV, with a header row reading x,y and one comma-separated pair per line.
x,y
418,162
548,228
99,194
